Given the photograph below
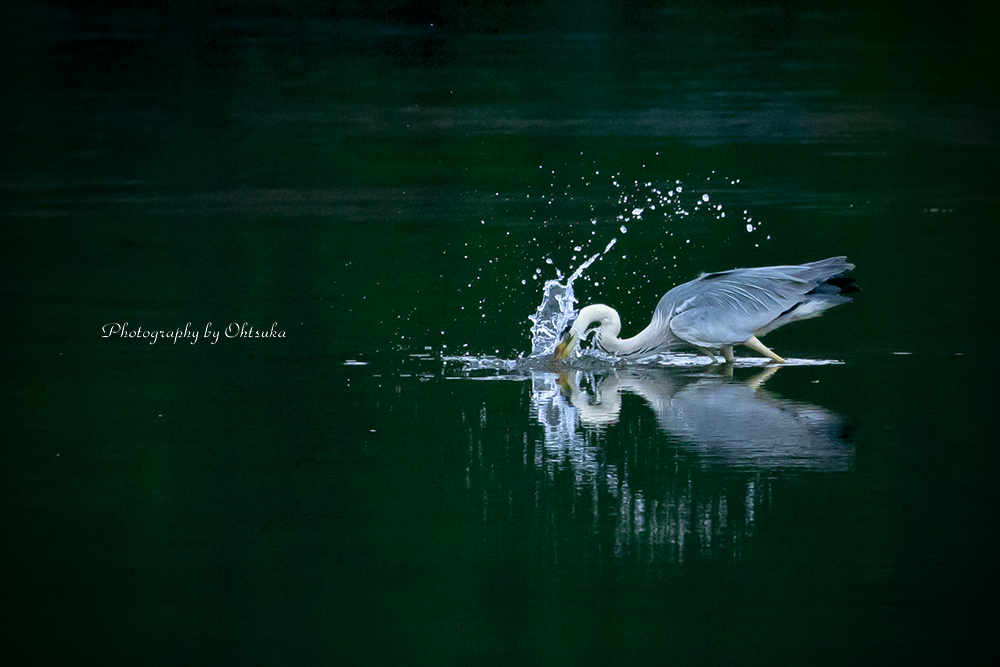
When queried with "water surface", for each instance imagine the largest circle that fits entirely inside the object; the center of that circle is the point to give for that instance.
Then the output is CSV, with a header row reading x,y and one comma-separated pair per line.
x,y
393,187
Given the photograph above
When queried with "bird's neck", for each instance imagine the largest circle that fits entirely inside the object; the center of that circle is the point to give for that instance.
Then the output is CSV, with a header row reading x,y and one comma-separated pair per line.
x,y
611,325
650,338
644,341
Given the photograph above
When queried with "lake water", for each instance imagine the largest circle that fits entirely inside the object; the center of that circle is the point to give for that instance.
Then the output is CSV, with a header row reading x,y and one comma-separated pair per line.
x,y
386,190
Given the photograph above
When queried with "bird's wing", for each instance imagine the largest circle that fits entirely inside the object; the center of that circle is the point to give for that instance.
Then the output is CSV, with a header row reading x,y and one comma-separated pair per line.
x,y
729,307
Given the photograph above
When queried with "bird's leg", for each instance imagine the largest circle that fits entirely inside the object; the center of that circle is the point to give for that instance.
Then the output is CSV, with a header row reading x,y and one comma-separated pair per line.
x,y
727,352
756,345
707,353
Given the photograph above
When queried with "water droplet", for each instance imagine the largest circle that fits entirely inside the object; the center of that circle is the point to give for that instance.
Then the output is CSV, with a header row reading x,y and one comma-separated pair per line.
x,y
623,229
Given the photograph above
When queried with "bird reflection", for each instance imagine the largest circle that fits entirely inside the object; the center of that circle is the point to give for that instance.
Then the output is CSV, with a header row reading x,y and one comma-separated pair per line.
x,y
727,423
696,481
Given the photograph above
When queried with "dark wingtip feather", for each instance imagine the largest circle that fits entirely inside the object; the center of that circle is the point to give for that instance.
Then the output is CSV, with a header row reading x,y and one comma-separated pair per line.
x,y
846,285
836,285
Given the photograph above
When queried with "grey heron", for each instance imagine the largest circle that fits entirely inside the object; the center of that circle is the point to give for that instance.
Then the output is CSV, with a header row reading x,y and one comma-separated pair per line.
x,y
718,310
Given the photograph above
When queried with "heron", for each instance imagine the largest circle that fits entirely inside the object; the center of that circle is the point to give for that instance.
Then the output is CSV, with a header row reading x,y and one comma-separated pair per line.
x,y
716,311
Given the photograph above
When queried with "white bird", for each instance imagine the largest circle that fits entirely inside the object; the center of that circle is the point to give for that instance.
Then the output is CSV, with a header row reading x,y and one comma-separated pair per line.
x,y
718,310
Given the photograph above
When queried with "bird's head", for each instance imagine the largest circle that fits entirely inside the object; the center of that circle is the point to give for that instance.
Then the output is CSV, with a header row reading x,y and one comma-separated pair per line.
x,y
604,317
568,342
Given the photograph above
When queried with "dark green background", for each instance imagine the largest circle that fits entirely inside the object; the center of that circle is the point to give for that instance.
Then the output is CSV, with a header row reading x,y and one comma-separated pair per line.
x,y
378,181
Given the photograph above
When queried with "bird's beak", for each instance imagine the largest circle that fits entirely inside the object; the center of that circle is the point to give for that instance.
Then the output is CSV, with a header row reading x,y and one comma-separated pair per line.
x,y
564,346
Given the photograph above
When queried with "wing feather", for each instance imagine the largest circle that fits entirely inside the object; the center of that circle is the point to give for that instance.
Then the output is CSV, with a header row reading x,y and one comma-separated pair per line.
x,y
729,307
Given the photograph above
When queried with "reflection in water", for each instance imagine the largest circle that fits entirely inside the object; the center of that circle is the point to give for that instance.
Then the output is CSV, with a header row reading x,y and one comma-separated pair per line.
x,y
691,479
729,424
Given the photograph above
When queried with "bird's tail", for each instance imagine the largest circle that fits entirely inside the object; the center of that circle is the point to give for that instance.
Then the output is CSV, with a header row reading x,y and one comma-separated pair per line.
x,y
836,285
830,290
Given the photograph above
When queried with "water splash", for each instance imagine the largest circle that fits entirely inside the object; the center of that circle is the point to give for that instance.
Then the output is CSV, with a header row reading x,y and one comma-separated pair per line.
x,y
558,308
554,314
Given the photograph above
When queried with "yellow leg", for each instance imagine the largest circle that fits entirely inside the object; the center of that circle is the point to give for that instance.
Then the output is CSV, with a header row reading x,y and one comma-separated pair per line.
x,y
727,352
757,346
707,353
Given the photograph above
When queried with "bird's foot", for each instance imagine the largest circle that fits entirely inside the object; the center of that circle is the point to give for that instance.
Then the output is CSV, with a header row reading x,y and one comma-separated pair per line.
x,y
755,344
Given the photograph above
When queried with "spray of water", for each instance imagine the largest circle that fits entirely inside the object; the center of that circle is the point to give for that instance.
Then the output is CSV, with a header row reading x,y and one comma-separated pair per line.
x,y
558,308
556,312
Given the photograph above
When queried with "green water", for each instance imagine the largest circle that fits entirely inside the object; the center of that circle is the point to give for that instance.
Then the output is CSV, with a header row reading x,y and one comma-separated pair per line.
x,y
383,187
